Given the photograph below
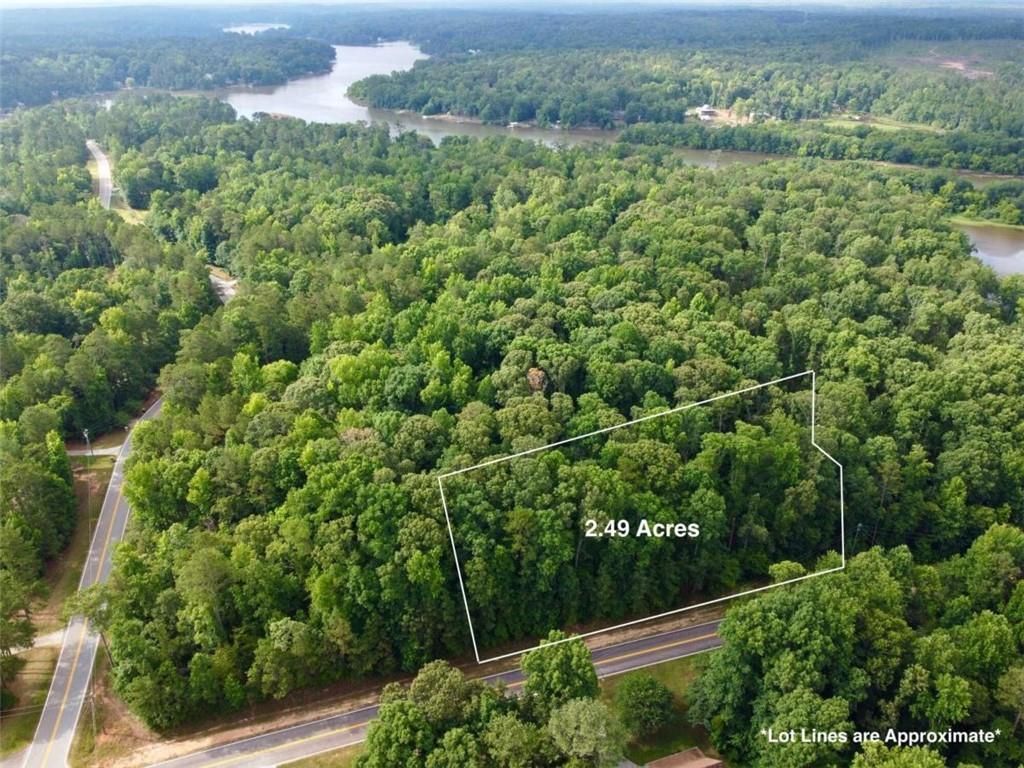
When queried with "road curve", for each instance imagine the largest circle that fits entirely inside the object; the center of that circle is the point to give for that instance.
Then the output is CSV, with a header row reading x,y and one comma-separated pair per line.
x,y
70,685
342,730
106,182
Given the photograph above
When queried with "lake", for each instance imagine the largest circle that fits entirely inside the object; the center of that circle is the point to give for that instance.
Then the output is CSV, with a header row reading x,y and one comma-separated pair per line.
x,y
324,99
254,29
1002,248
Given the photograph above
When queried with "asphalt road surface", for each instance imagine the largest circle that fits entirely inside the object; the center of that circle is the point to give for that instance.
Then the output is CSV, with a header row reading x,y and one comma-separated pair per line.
x,y
224,288
70,685
106,185
337,731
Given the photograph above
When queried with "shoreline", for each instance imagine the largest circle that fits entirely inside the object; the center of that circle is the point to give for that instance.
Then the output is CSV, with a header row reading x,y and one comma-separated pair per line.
x,y
966,221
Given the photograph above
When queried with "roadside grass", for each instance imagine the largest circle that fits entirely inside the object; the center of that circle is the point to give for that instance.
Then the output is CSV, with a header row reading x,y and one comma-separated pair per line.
x,y
61,578
340,758
91,478
107,730
678,734
125,211
112,439
30,686
85,747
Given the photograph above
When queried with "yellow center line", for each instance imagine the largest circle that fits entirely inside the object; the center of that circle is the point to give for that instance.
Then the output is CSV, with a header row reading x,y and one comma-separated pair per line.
x,y
336,731
85,632
652,649
67,692
655,648
251,755
110,534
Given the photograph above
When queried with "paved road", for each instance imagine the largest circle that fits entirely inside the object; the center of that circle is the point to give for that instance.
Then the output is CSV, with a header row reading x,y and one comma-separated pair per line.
x,y
111,451
70,684
337,731
225,288
106,186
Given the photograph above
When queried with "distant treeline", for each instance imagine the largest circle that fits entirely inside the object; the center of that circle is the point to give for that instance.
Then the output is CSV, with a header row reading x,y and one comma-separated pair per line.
x,y
37,71
443,31
446,32
976,151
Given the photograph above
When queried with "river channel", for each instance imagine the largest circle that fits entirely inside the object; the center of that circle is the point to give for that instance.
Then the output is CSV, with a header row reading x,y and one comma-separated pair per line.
x,y
324,99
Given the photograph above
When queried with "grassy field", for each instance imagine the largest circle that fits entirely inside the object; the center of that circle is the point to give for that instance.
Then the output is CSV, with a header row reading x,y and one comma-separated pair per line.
x,y
970,58
61,580
678,734
878,123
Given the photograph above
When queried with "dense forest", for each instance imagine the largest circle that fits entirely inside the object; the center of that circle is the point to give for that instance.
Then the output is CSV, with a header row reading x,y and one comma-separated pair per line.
x,y
741,474
37,519
458,31
959,149
398,305
39,70
888,643
90,308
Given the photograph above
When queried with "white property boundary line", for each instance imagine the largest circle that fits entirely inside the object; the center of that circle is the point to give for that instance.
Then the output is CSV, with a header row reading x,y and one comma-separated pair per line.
x,y
659,414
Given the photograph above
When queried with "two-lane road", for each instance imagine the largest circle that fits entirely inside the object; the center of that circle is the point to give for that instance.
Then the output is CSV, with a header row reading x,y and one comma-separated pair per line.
x,y
70,685
105,188
342,730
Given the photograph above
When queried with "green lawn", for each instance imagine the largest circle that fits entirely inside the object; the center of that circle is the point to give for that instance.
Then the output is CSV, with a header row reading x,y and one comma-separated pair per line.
x,y
878,123
678,734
